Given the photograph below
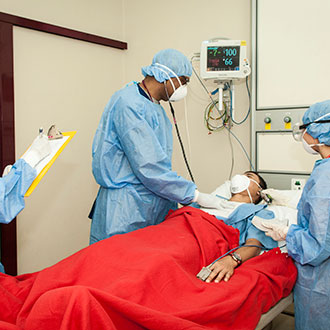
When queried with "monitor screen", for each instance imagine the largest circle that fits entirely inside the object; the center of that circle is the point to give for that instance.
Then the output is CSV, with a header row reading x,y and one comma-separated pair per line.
x,y
225,58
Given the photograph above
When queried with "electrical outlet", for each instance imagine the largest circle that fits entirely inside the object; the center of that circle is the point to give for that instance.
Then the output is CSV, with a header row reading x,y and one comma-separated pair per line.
x,y
297,183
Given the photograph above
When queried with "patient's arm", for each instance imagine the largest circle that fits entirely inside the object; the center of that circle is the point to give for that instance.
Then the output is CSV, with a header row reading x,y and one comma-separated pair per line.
x,y
223,269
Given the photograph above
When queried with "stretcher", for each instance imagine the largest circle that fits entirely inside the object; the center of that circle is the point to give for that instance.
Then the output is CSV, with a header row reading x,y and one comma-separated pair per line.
x,y
268,317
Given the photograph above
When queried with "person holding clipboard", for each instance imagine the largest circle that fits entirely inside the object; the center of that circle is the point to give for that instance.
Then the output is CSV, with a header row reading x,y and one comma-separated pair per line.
x,y
17,179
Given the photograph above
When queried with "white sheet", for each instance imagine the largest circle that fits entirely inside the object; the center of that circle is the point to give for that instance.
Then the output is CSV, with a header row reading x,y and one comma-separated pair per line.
x,y
226,208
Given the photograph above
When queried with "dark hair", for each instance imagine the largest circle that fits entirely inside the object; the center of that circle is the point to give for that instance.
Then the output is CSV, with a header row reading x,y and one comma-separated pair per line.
x,y
262,183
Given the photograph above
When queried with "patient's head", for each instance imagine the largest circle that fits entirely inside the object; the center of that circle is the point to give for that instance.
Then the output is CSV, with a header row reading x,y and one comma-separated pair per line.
x,y
246,188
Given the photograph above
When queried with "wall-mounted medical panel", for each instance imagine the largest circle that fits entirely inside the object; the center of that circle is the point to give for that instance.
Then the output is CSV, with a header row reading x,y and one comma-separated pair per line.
x,y
279,152
292,53
279,120
284,181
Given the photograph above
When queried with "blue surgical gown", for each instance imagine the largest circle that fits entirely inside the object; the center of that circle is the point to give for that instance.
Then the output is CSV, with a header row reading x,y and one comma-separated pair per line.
x,y
132,151
308,244
13,187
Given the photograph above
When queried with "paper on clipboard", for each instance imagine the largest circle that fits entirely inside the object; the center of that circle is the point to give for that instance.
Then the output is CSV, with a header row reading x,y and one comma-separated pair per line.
x,y
57,146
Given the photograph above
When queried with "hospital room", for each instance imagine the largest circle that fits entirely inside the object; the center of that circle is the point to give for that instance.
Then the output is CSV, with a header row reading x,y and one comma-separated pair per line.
x,y
164,164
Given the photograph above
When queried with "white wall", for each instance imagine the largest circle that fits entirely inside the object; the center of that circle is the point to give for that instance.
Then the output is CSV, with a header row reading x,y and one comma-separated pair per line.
x,y
66,88
152,25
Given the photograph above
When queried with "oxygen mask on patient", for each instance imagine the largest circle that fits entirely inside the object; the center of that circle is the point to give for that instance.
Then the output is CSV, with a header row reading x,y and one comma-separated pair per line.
x,y
240,183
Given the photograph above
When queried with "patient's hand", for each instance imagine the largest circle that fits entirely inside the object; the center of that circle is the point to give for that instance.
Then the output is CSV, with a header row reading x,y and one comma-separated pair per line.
x,y
223,269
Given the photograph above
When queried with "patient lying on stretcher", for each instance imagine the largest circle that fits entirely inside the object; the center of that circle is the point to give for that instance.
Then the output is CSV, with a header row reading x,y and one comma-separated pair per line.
x,y
241,206
146,279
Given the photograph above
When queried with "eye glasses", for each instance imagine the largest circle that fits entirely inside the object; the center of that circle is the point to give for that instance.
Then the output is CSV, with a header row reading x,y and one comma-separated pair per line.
x,y
298,129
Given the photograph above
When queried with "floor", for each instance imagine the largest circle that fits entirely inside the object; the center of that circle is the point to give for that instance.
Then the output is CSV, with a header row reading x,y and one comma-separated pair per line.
x,y
283,321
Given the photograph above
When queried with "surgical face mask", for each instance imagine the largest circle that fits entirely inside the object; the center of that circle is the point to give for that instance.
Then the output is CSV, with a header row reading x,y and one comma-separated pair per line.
x,y
179,93
308,147
240,183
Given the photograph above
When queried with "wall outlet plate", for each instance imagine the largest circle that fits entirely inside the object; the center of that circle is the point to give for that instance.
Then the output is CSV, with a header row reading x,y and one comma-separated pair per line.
x,y
297,183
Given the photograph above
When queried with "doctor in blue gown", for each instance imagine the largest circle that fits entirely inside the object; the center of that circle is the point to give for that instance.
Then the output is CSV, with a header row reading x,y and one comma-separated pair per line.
x,y
132,151
308,242
17,180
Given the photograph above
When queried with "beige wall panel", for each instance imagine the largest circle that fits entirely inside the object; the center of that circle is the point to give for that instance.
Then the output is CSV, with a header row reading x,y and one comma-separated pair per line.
x,y
280,152
293,52
101,17
154,25
66,82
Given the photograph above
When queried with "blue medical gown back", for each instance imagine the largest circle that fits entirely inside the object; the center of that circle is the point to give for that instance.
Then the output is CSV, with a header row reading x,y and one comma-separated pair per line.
x,y
308,244
132,151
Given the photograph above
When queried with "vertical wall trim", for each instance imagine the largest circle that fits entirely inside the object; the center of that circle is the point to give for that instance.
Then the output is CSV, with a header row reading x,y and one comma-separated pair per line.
x,y
253,81
7,137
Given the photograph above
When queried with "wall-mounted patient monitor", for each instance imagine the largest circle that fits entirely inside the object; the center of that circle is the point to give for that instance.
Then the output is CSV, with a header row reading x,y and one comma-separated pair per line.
x,y
224,60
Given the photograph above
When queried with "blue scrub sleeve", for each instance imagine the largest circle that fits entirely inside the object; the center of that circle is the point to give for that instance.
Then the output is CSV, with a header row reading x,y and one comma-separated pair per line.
x,y
148,160
13,188
310,244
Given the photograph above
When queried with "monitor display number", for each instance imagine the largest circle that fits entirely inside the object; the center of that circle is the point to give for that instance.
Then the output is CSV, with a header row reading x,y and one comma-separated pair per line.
x,y
223,58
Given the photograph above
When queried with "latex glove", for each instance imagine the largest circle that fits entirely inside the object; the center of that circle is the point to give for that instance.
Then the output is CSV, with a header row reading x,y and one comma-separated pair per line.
x,y
7,170
265,224
274,228
39,150
277,197
276,231
206,200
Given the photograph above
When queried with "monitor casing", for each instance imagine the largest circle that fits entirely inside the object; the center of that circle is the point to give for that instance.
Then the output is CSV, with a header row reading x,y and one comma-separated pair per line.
x,y
226,72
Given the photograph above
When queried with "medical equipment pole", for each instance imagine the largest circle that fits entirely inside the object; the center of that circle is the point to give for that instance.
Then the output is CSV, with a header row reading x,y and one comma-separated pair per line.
x,y
221,86
232,103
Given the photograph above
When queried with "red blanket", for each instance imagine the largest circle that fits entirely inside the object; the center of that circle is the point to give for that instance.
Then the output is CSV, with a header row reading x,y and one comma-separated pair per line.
x,y
147,280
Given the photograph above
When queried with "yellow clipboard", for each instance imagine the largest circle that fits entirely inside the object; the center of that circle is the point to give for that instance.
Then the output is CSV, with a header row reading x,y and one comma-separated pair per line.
x,y
46,167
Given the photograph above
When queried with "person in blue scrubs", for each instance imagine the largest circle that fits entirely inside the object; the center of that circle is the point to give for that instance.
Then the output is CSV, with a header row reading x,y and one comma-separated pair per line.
x,y
17,179
13,186
308,242
132,151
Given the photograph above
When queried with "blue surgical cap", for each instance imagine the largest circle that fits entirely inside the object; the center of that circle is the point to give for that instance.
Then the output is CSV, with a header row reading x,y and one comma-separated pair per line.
x,y
318,131
171,58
